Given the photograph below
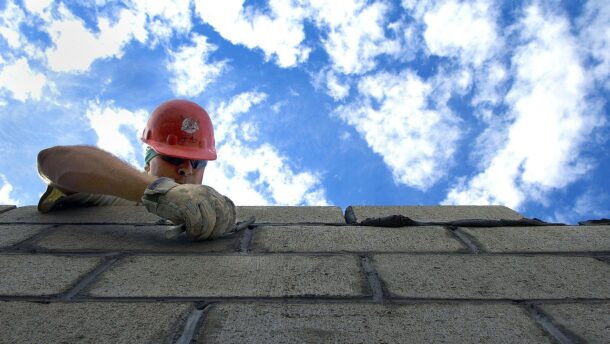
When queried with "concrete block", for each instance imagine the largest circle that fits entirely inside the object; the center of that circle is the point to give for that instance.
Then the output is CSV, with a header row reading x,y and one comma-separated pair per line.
x,y
493,276
38,275
368,323
12,234
91,322
278,214
354,239
109,214
437,213
232,276
589,321
4,208
543,239
129,238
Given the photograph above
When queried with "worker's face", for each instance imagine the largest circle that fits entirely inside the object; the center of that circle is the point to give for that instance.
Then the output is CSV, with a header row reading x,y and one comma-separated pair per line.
x,y
182,174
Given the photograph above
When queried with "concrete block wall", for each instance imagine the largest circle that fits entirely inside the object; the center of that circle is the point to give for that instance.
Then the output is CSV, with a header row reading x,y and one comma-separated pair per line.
x,y
301,274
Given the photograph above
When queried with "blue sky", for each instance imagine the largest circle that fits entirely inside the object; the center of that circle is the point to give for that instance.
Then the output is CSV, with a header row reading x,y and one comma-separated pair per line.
x,y
326,102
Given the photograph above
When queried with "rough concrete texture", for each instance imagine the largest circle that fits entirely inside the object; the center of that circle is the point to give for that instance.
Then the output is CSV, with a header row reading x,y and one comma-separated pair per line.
x,y
4,208
91,322
13,234
236,275
493,277
279,214
106,215
369,323
438,213
543,239
354,239
25,274
588,321
129,238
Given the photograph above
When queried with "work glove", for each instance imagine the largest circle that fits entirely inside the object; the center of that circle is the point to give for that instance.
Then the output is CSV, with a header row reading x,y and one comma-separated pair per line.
x,y
204,212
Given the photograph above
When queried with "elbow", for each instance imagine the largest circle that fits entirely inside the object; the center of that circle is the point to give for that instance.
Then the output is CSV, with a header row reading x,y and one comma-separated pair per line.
x,y
49,161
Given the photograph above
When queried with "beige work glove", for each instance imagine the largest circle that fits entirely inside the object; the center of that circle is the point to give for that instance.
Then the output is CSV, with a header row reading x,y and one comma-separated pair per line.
x,y
205,213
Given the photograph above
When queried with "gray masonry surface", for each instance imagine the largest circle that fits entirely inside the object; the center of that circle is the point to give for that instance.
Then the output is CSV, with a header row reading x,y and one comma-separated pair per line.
x,y
13,234
430,214
369,323
301,274
354,239
543,239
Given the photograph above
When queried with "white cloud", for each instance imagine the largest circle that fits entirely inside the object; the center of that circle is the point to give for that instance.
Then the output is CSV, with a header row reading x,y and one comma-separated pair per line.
x,y
75,47
191,69
335,88
118,130
279,34
355,33
23,83
394,116
5,192
595,38
465,30
549,120
255,175
37,6
165,17
10,19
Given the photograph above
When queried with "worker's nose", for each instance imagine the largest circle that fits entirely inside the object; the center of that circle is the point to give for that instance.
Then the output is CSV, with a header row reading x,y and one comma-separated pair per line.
x,y
185,169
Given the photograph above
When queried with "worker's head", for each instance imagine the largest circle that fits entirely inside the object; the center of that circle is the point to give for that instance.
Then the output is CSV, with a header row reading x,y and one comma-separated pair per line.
x,y
181,140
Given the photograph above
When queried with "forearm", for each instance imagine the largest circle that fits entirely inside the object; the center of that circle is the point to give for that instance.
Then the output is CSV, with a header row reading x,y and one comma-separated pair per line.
x,y
92,170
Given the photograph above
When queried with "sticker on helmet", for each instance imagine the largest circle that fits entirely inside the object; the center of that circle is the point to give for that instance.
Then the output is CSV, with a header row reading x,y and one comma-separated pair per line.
x,y
190,125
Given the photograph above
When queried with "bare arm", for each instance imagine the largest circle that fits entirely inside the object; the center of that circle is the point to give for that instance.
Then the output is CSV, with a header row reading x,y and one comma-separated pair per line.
x,y
92,170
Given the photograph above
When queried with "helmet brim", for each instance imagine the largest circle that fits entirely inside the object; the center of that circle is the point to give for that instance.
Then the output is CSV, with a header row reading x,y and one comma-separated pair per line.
x,y
184,152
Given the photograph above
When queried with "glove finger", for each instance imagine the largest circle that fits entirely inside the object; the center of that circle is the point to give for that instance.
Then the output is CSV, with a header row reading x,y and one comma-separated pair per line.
x,y
171,212
209,220
225,219
193,220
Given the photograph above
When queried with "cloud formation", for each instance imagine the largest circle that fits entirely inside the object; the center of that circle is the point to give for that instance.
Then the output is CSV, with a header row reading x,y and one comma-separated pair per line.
x,y
252,174
5,192
415,137
75,47
278,34
191,68
549,120
354,33
118,130
21,81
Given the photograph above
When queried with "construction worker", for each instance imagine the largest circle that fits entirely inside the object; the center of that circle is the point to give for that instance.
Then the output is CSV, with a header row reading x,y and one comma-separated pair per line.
x,y
180,140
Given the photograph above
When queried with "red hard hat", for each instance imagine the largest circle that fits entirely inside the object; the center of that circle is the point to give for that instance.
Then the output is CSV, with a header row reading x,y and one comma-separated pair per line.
x,y
182,129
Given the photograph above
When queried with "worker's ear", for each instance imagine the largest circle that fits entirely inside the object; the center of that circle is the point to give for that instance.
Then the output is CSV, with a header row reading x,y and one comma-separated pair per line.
x,y
147,168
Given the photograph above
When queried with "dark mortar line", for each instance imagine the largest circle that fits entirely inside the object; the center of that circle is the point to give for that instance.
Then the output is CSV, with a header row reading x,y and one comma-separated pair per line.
x,y
36,251
601,256
28,244
297,299
192,325
372,278
294,224
89,278
246,241
83,223
212,299
465,239
560,335
8,208
399,299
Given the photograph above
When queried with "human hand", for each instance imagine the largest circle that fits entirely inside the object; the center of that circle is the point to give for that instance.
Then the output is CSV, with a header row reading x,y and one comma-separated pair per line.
x,y
205,213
